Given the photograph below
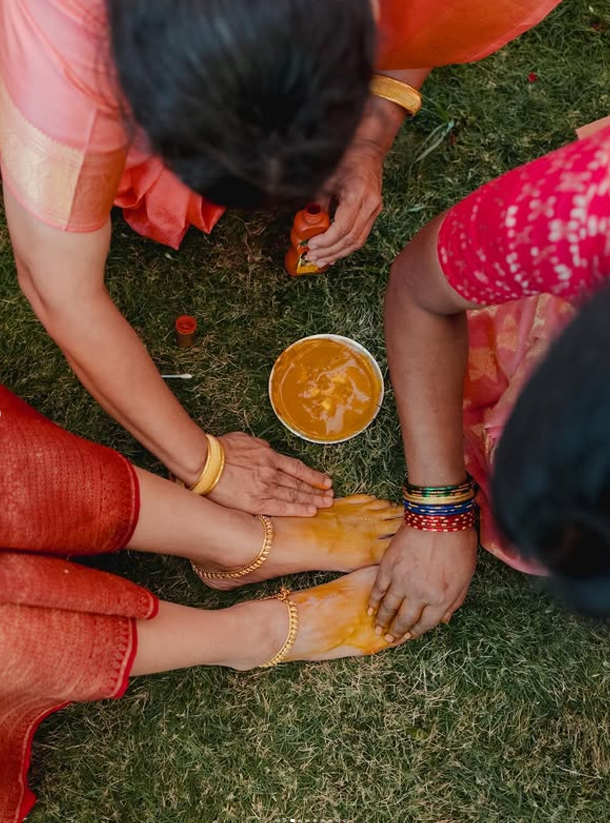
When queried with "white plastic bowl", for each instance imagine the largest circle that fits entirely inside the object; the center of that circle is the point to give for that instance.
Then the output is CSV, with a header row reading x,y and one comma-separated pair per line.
x,y
356,347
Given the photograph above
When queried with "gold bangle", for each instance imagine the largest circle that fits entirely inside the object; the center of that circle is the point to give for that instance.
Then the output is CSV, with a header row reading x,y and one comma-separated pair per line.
x,y
420,500
397,92
212,470
269,534
293,629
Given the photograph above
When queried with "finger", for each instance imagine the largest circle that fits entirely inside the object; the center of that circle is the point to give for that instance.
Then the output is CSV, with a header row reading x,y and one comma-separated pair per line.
x,y
430,617
348,245
380,587
459,602
345,219
352,239
297,469
286,495
339,252
389,608
400,623
372,503
323,200
356,499
273,507
320,499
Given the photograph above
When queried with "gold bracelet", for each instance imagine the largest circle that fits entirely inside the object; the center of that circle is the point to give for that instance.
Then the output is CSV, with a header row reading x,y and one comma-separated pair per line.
x,y
212,470
397,92
293,629
269,534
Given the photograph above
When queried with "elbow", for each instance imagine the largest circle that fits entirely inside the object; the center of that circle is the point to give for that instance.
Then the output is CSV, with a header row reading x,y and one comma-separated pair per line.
x,y
402,286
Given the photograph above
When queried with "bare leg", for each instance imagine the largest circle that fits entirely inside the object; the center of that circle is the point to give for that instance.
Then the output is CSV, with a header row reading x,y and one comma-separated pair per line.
x,y
332,623
352,534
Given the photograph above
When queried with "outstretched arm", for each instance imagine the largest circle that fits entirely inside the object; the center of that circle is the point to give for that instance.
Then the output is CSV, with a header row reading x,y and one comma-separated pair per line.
x,y
424,576
62,275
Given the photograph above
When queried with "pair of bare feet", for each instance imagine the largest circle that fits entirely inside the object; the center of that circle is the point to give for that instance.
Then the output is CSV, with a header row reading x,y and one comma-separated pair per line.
x,y
333,622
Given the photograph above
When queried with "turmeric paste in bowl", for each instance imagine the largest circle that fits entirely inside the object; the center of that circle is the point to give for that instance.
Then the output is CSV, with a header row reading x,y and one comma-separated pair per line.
x,y
326,388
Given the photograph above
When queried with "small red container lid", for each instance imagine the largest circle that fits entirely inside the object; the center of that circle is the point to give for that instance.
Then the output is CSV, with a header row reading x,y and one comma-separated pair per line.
x,y
186,324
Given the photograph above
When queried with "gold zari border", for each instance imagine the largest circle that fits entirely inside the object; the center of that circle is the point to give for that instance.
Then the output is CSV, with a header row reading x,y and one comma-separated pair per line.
x,y
65,187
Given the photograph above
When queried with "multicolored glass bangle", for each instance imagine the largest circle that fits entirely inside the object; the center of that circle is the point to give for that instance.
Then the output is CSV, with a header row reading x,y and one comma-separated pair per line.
x,y
459,508
457,523
440,508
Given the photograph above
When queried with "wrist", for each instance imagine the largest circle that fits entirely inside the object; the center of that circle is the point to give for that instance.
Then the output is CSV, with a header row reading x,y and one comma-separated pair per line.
x,y
446,508
188,466
446,474
381,123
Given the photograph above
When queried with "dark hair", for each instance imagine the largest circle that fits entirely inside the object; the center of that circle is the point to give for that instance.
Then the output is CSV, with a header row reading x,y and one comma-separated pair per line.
x,y
250,102
551,481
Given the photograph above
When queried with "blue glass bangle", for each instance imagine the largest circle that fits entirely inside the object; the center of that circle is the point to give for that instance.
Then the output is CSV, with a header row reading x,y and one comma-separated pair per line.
x,y
432,510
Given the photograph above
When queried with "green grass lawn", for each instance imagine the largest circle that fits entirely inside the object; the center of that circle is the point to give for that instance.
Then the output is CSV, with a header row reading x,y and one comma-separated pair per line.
x,y
501,717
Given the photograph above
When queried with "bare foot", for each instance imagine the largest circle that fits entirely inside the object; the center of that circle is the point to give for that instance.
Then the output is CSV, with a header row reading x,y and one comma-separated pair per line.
x,y
333,623
352,534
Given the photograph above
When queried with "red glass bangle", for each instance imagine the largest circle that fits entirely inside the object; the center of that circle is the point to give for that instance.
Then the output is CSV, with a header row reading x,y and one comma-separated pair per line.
x,y
451,523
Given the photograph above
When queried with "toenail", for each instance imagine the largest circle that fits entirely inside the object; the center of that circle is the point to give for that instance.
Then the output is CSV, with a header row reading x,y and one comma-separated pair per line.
x,y
389,638
378,631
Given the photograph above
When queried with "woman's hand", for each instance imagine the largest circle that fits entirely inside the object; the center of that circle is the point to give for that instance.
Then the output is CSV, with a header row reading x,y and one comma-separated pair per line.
x,y
258,480
357,188
423,579
357,184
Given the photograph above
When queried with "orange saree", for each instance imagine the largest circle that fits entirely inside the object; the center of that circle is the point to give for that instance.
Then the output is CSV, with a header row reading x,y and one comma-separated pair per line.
x,y
67,632
417,34
64,150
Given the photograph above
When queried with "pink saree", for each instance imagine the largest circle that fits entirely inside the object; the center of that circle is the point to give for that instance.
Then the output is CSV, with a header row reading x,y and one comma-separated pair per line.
x,y
64,151
506,343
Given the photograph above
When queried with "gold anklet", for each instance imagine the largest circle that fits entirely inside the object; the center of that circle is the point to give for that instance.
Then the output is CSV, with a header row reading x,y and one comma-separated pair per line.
x,y
258,561
293,628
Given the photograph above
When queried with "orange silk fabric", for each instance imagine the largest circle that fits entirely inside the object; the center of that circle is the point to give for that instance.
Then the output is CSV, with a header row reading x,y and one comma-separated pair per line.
x,y
417,34
64,150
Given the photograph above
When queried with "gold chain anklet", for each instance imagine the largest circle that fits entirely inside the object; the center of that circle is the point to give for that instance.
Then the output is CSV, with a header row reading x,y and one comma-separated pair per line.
x,y
258,561
293,628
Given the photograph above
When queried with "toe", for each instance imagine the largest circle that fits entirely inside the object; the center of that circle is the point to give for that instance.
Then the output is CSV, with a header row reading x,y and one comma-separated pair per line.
x,y
393,512
377,503
354,500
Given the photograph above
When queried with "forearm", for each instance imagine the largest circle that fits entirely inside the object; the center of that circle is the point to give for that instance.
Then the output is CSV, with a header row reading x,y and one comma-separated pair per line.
x,y
62,275
112,363
382,119
427,353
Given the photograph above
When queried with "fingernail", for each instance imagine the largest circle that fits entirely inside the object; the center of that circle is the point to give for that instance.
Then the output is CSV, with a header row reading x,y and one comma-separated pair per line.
x,y
312,510
370,611
407,636
389,638
378,631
